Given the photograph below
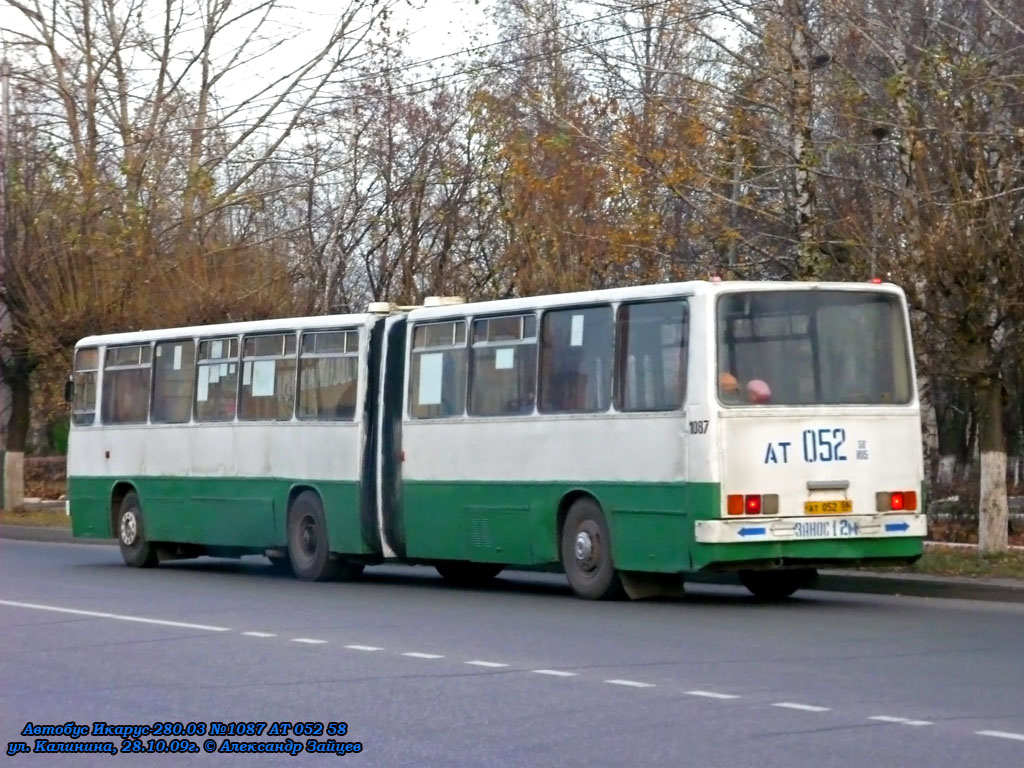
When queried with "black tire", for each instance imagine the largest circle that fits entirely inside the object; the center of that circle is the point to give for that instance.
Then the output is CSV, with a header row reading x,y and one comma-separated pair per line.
x,y
587,553
468,574
777,585
308,548
136,550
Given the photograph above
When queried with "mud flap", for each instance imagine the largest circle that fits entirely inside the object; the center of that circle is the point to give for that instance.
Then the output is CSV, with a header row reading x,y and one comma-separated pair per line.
x,y
643,586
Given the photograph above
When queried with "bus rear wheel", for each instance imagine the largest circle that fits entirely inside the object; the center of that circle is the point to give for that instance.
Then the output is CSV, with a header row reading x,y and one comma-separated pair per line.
x,y
587,553
777,585
468,574
131,534
308,549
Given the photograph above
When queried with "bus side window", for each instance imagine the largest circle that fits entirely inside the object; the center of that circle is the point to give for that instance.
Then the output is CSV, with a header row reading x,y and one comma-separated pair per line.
x,y
216,379
651,355
438,370
173,373
576,360
328,375
503,370
87,368
126,384
268,377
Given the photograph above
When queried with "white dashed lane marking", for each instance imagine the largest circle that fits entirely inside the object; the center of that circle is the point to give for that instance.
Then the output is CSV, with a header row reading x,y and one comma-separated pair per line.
x,y
1009,735
115,616
631,683
900,720
1002,735
800,707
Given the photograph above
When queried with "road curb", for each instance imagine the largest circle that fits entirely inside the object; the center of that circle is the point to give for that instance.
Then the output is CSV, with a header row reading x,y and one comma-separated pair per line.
x,y
43,533
831,580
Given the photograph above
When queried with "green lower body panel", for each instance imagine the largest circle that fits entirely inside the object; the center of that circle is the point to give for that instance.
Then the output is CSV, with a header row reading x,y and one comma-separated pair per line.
x,y
651,525
516,524
250,513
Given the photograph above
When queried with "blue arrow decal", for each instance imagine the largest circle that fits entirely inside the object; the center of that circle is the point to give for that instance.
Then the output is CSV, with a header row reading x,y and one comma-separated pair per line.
x,y
752,531
897,526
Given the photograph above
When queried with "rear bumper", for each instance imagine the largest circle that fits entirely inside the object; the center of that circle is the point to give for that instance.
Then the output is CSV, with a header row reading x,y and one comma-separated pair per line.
x,y
808,528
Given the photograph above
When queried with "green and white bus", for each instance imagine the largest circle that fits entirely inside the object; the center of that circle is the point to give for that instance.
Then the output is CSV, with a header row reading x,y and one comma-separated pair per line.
x,y
620,435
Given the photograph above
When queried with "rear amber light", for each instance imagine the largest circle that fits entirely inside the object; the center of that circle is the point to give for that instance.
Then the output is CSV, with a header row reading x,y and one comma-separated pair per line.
x,y
910,500
734,505
752,504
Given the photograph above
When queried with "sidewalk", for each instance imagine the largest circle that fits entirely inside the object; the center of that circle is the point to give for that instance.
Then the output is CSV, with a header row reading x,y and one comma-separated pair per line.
x,y
830,580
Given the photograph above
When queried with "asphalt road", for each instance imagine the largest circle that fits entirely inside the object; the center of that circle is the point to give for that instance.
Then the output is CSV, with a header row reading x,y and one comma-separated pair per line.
x,y
519,674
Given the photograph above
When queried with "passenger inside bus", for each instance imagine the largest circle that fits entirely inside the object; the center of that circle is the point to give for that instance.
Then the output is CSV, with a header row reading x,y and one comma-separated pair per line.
x,y
756,392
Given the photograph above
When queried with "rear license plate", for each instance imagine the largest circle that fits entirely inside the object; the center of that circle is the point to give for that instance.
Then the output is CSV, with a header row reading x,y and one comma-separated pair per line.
x,y
842,507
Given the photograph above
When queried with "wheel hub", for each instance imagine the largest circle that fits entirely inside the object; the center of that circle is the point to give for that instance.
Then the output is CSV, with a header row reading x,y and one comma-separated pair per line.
x,y
308,537
583,548
129,528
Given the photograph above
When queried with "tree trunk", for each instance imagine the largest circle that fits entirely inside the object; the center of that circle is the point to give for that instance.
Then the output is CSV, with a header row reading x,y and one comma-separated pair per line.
x,y
993,509
946,472
17,378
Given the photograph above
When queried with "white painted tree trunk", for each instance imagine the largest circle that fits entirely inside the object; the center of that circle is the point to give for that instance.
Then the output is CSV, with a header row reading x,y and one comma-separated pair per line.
x,y
13,479
993,510
993,505
946,472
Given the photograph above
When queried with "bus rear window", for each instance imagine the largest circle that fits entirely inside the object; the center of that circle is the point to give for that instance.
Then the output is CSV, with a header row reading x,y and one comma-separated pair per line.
x,y
812,348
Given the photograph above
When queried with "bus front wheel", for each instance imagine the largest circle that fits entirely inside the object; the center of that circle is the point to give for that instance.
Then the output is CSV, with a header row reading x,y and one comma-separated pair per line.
x,y
131,534
777,585
587,552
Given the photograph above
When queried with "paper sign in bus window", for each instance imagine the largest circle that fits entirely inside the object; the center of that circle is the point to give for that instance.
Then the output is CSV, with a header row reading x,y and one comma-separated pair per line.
x,y
177,356
263,378
431,373
505,359
576,331
214,373
216,349
246,374
203,384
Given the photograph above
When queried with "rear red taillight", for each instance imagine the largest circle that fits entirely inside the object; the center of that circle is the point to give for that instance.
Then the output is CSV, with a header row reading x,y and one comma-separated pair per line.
x,y
752,504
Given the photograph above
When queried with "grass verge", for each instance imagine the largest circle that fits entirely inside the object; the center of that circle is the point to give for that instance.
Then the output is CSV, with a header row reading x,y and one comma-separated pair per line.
x,y
957,561
44,518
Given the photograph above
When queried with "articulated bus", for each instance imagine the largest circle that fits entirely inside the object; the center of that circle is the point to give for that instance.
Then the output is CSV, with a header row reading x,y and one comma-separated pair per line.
x,y
767,429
